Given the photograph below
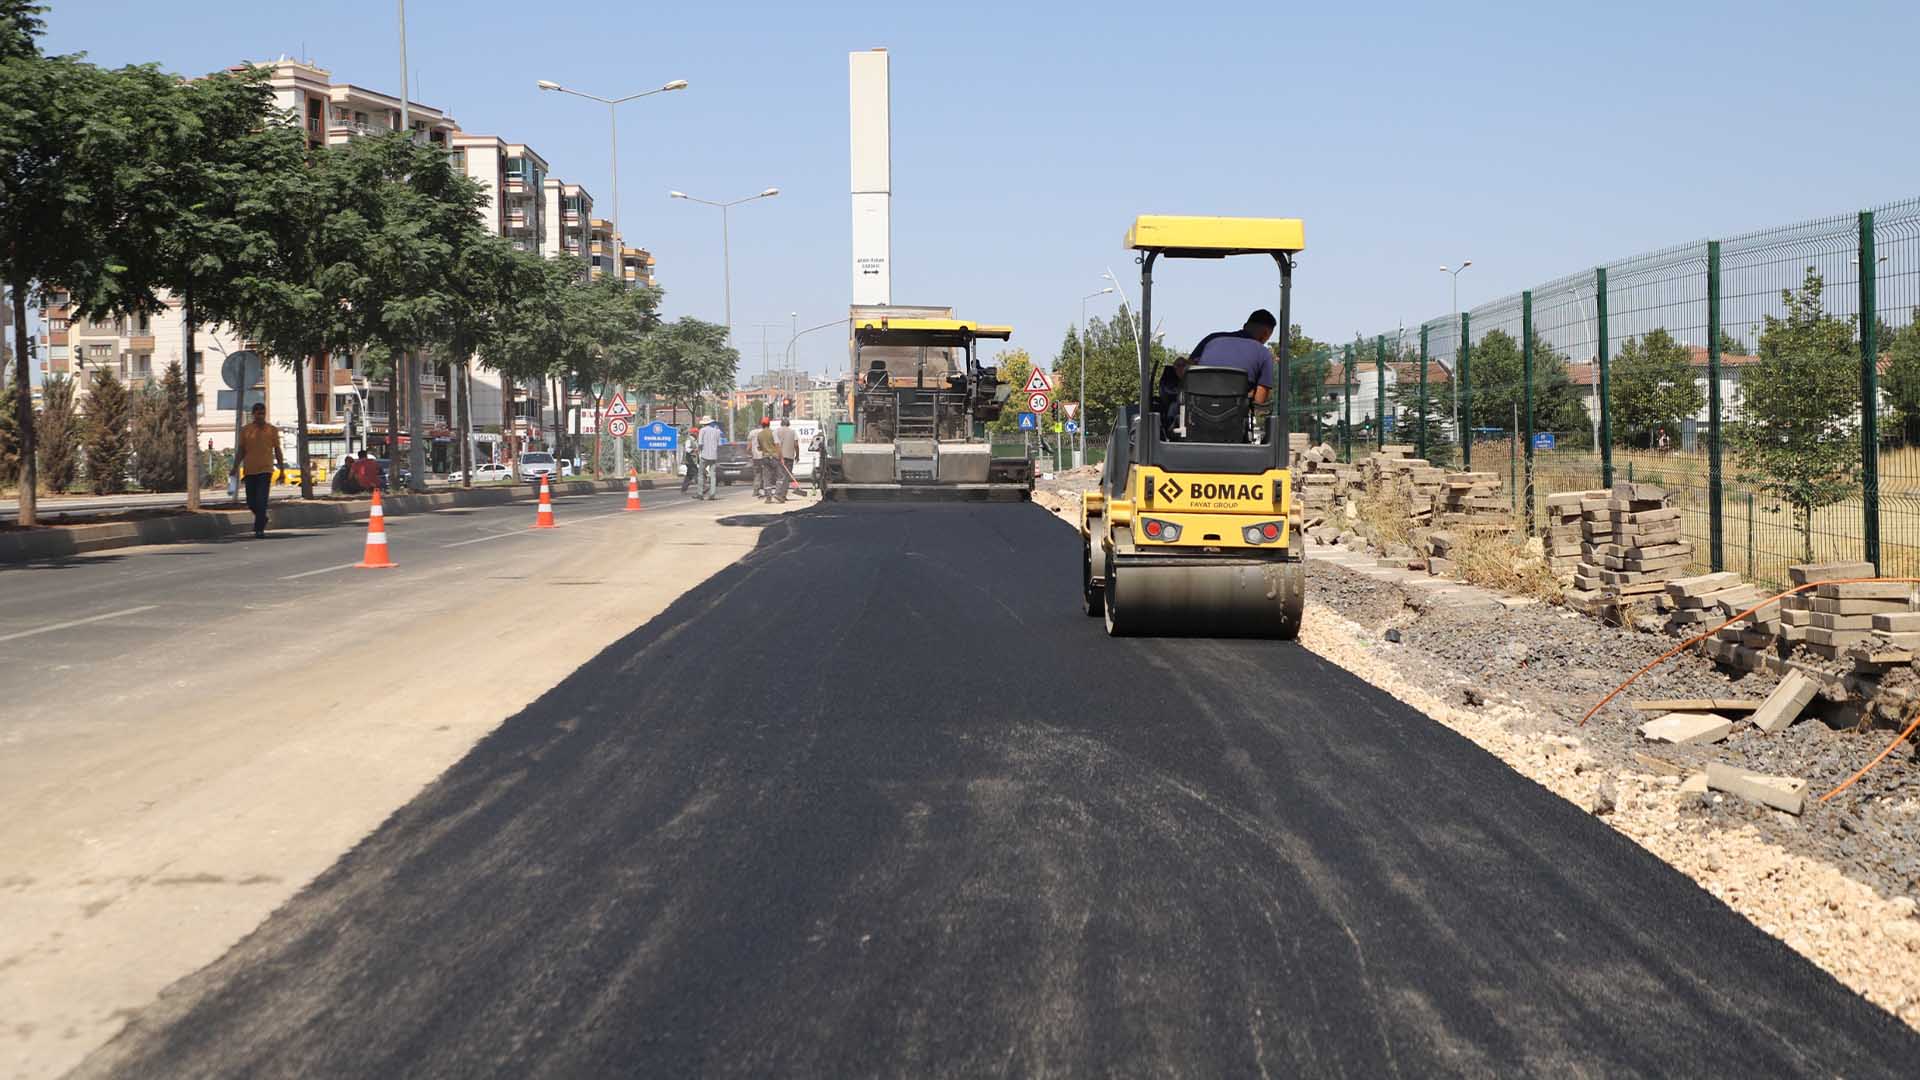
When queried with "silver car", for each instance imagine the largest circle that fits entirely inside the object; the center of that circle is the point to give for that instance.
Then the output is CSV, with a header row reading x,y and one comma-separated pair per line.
x,y
537,463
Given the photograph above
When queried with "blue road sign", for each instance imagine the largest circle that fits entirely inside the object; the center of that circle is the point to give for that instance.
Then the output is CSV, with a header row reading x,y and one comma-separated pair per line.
x,y
1073,427
1543,440
1029,421
656,436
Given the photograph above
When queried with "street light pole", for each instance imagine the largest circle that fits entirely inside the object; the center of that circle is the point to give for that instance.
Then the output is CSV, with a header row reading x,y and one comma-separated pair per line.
x,y
1080,454
619,257
726,265
1453,373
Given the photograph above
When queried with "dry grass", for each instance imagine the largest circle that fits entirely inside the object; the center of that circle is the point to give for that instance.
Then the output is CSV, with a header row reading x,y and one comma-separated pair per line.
x,y
1384,518
1498,561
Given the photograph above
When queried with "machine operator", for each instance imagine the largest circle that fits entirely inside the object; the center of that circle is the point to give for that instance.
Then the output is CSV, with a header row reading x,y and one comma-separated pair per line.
x,y
1244,349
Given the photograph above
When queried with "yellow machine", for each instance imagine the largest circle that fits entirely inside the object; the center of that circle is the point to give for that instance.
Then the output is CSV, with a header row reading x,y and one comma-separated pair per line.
x,y
1191,529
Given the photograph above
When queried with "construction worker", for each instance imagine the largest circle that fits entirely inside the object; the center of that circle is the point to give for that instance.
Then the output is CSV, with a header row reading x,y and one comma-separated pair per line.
x,y
259,454
766,463
710,441
788,442
1245,349
690,452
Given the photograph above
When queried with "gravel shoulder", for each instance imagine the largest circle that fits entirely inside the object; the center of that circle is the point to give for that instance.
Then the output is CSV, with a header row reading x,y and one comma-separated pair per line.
x,y
1839,884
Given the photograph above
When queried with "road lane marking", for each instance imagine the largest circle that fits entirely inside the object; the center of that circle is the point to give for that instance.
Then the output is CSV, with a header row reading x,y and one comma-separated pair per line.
x,y
78,622
322,570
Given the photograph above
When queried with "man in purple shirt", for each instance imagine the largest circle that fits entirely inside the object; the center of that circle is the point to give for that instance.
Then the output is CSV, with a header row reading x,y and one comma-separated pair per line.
x,y
1244,349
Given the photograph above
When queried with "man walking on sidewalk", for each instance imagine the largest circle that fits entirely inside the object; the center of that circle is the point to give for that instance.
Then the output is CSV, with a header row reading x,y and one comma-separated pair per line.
x,y
766,464
691,452
789,443
259,453
709,458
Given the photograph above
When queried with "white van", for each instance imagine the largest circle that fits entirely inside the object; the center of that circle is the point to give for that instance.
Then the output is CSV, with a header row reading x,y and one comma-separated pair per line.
x,y
809,459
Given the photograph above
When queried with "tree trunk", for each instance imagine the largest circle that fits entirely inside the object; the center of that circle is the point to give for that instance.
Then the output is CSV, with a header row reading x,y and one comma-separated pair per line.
x,y
193,402
507,434
300,431
23,379
393,423
573,379
463,415
417,448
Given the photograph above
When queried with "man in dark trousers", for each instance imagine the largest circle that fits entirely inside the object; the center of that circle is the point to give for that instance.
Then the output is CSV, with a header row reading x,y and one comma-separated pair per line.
x,y
691,452
259,453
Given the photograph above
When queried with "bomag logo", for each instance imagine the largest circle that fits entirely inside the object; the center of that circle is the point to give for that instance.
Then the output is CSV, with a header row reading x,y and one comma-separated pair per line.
x,y
1170,489
1227,492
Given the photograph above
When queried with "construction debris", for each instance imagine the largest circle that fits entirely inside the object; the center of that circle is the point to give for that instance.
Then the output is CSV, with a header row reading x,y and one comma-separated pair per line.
x,y
1788,700
1632,545
1780,792
1687,729
1720,705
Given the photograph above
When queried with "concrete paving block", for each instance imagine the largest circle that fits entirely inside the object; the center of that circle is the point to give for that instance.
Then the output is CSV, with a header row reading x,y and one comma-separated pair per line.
x,y
1788,700
1787,793
1866,590
1687,729
1803,573
1702,584
1898,622
1694,785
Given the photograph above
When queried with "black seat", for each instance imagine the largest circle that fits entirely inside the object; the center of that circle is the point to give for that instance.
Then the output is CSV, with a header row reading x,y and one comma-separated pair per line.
x,y
1216,404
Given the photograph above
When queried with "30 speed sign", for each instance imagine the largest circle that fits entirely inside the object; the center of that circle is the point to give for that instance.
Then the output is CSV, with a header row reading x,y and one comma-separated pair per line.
x,y
1037,402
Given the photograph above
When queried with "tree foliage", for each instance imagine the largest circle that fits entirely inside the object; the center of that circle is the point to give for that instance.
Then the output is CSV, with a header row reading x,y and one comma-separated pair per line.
x,y
10,443
159,433
1799,402
1113,374
59,431
684,359
107,417
1651,386
1499,388
1901,381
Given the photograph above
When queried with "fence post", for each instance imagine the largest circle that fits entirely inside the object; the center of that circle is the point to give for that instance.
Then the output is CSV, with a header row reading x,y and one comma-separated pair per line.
x,y
1346,389
1422,437
1465,434
1380,392
1716,525
1526,391
1869,394
1606,405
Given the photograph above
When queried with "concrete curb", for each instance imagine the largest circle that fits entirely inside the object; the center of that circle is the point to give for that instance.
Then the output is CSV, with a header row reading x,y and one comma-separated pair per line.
x,y
53,542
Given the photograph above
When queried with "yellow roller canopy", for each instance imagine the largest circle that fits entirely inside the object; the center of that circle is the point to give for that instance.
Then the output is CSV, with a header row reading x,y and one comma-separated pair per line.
x,y
1215,237
926,331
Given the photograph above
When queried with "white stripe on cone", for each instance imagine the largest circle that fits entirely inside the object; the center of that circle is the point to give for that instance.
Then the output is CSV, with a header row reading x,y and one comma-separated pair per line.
x,y
377,538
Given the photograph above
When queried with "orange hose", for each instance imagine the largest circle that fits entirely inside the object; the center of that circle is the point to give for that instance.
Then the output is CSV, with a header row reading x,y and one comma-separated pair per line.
x,y
1868,767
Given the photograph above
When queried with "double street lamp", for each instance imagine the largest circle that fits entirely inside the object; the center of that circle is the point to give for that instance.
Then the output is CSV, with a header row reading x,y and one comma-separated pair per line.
x,y
1453,373
619,258
726,262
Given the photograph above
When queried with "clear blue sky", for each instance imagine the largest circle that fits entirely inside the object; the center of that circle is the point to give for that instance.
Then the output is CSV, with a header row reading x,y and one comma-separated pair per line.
x,y
1536,139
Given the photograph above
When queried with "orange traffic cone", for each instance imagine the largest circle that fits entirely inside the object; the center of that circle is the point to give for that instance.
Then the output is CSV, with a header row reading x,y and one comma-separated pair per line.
x,y
543,518
376,556
633,490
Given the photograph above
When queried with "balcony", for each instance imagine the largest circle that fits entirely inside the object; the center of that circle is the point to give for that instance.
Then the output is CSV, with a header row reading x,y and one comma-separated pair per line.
x,y
516,220
140,342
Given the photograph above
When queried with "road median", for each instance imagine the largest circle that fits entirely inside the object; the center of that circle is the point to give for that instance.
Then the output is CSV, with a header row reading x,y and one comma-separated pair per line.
x,y
20,545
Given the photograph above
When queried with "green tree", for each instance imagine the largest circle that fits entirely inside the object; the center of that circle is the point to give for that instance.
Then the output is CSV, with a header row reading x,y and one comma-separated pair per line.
x,y
1408,406
59,430
105,432
59,147
684,359
1013,366
1900,383
10,450
1499,388
159,451
1113,374
1799,402
1652,386
1731,346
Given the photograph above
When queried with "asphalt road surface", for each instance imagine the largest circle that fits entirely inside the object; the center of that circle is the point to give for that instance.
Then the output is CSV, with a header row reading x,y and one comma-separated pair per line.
x,y
878,800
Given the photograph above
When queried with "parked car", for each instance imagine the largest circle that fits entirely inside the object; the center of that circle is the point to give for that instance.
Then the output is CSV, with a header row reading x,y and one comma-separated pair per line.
x,y
486,472
537,463
736,462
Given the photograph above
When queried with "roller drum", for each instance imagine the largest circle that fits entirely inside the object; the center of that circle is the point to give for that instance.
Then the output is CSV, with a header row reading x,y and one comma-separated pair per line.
x,y
1196,597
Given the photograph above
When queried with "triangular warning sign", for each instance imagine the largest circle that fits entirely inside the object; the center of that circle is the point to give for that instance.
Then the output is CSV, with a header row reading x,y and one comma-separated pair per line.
x,y
1038,383
619,410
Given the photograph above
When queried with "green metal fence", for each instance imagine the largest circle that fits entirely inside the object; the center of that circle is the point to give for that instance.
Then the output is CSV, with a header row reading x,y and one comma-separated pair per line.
x,y
1770,381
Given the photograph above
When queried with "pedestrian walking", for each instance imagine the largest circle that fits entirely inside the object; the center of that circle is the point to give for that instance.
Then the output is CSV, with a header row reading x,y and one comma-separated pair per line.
x,y
709,458
758,453
788,442
690,453
259,454
766,461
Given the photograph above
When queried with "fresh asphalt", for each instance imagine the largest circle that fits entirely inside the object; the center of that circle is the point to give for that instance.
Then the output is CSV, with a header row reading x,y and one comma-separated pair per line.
x,y
879,800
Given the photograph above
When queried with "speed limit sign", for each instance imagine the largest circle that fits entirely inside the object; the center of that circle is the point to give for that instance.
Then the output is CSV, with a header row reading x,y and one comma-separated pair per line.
x,y
617,427
1036,403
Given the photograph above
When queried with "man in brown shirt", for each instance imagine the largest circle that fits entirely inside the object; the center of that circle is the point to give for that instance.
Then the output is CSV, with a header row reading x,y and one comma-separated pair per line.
x,y
258,454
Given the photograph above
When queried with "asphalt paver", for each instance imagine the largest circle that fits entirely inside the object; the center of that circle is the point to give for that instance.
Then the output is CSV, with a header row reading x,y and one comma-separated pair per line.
x,y
879,800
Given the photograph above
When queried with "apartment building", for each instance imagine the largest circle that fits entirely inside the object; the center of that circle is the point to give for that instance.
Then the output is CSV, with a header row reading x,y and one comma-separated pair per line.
x,y
636,265
334,113
568,217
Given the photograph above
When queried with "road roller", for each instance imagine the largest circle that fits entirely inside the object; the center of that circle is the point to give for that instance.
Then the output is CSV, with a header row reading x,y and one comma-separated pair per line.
x,y
1191,530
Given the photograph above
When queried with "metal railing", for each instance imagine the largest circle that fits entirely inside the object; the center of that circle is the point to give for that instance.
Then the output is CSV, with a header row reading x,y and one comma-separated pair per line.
x,y
1770,381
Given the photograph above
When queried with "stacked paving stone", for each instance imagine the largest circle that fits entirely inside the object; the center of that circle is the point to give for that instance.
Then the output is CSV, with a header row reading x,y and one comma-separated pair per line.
x,y
1564,534
1629,561
1472,500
